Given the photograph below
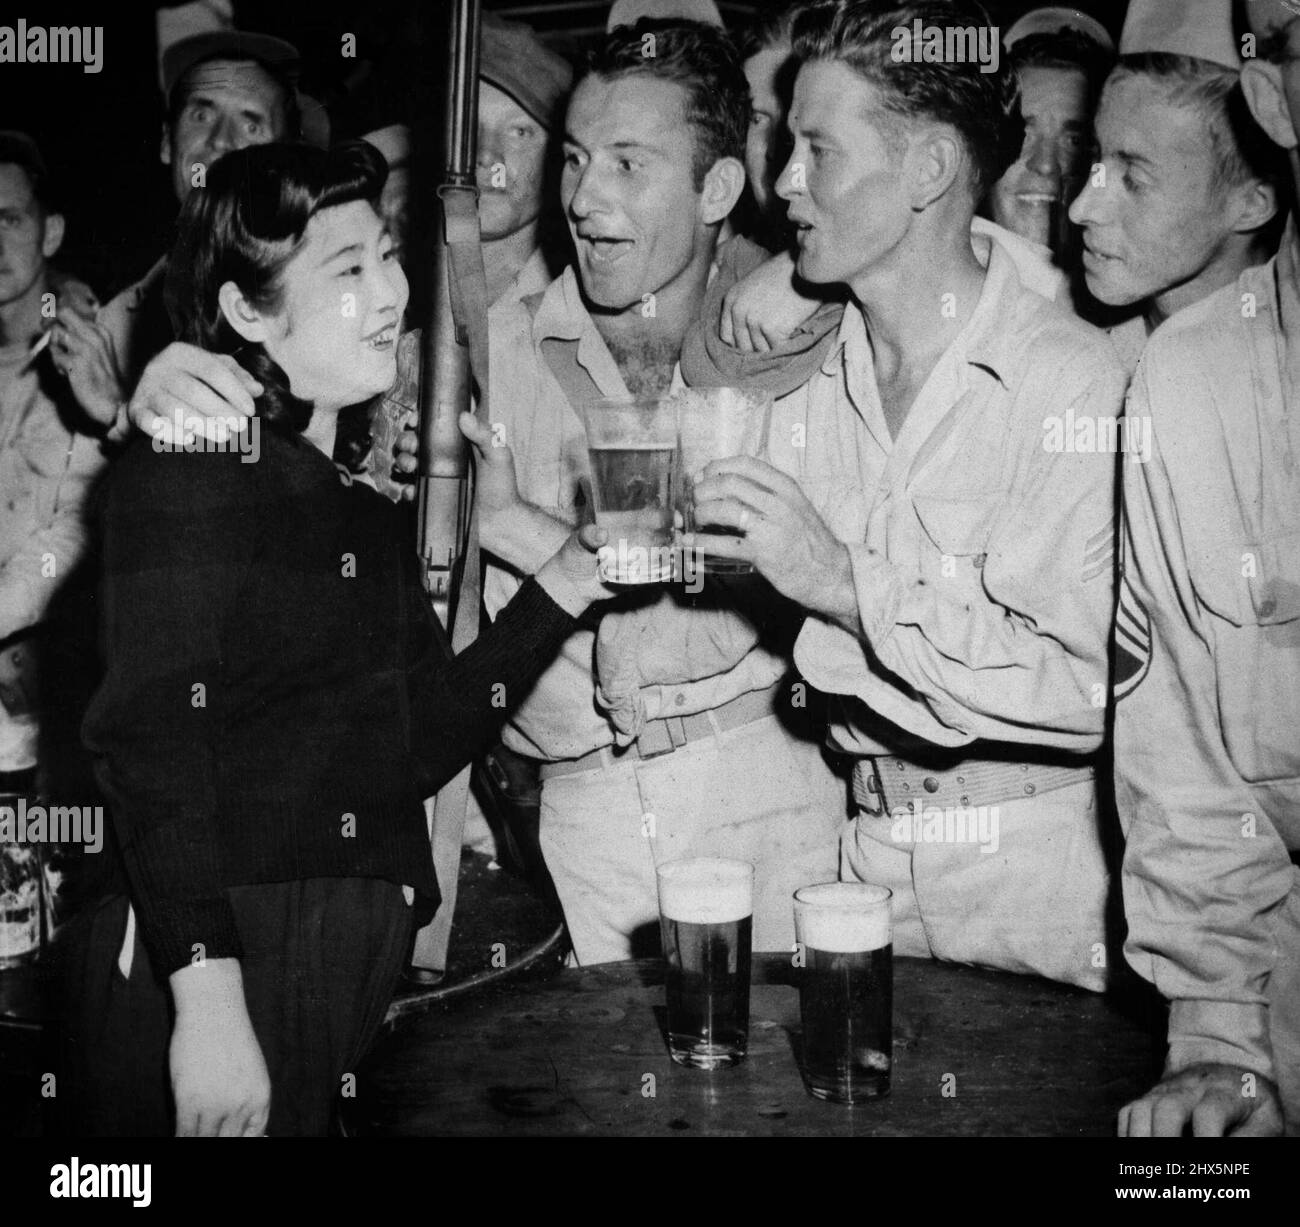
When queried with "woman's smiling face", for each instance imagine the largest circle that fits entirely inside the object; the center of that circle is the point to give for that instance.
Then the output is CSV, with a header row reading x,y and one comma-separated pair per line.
x,y
342,296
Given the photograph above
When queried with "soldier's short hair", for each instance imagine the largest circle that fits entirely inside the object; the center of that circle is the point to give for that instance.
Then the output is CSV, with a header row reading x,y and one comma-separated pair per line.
x,y
983,107
18,149
1067,49
1242,149
700,57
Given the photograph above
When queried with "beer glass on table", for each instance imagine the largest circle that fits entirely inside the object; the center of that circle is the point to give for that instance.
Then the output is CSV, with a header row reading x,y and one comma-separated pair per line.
x,y
632,445
706,922
847,988
717,424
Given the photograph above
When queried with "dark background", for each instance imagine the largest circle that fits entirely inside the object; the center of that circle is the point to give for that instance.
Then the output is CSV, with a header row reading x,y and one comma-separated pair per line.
x,y
100,132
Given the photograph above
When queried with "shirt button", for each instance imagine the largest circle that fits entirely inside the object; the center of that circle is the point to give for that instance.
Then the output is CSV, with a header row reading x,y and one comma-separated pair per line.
x,y
1267,607
1030,790
680,699
930,784
980,560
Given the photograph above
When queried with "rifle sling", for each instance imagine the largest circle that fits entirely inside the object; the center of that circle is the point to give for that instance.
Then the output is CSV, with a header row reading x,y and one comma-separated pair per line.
x,y
469,308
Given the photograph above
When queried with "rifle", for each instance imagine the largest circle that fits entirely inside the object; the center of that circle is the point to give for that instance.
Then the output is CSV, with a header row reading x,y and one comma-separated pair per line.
x,y
444,474
454,349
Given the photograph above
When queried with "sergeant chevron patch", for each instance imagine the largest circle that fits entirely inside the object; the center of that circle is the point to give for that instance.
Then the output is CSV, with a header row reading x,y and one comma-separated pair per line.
x,y
1099,554
1132,642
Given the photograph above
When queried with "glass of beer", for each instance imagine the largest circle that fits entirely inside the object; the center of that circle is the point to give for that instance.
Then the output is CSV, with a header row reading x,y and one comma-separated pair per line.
x,y
706,910
717,424
632,445
847,989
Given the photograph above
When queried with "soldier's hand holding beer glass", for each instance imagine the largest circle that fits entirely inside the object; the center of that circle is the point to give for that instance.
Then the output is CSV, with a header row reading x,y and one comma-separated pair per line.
x,y
716,424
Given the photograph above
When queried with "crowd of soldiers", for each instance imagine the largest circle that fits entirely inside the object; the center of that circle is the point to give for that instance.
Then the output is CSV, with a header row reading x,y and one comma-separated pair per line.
x,y
1025,533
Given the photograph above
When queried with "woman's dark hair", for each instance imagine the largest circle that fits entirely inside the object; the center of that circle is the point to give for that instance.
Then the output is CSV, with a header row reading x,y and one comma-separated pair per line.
x,y
244,226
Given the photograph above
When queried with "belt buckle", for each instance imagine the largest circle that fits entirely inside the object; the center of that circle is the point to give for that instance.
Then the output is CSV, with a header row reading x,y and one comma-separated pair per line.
x,y
671,727
876,788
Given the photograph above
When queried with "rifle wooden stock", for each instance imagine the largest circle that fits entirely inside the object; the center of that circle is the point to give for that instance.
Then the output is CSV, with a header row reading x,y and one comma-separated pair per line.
x,y
443,456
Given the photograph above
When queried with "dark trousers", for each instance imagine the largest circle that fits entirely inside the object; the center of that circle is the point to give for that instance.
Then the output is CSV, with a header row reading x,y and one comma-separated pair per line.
x,y
321,960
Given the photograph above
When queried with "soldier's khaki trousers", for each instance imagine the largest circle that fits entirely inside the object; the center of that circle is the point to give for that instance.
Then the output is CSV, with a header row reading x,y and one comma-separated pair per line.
x,y
757,793
1027,893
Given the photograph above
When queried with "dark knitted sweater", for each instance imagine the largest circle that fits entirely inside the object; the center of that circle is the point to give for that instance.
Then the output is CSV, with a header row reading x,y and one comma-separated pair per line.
x,y
277,697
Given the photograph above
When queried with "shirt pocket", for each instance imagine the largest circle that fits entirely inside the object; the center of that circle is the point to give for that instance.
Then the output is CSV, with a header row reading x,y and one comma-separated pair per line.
x,y
31,479
956,534
44,446
1252,589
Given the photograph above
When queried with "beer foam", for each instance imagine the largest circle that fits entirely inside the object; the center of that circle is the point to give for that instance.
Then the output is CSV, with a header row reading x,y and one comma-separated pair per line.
x,y
706,890
843,917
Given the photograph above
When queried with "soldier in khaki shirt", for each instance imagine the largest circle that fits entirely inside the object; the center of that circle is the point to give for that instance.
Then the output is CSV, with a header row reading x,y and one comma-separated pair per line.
x,y
1207,724
937,506
683,739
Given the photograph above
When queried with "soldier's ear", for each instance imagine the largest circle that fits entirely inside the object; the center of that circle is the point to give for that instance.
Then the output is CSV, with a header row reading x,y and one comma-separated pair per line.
x,y
723,185
933,163
1261,82
52,239
165,146
1257,204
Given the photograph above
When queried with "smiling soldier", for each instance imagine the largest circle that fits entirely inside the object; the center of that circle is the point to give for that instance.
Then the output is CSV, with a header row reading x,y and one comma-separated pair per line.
x,y
225,90
1060,57
684,741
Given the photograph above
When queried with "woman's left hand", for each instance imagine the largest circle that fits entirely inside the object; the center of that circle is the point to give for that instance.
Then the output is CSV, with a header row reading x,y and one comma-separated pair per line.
x,y
571,576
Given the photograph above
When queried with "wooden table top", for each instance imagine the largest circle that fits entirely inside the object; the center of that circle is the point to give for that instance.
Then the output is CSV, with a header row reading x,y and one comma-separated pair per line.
x,y
583,1052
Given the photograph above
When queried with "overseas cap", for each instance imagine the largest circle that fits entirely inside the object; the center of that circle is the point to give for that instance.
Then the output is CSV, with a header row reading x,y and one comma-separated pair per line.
x,y
629,12
516,61
1053,17
1200,28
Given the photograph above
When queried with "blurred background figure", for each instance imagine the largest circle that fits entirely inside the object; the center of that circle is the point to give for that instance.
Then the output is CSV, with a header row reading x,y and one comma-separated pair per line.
x,y
1061,57
523,86
629,12
770,71
47,460
394,142
224,90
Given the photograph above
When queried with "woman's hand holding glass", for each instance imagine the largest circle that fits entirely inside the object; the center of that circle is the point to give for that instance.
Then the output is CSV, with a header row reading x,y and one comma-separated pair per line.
x,y
564,559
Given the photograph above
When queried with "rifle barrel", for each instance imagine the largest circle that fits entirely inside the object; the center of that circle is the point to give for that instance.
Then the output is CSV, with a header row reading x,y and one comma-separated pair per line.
x,y
444,367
